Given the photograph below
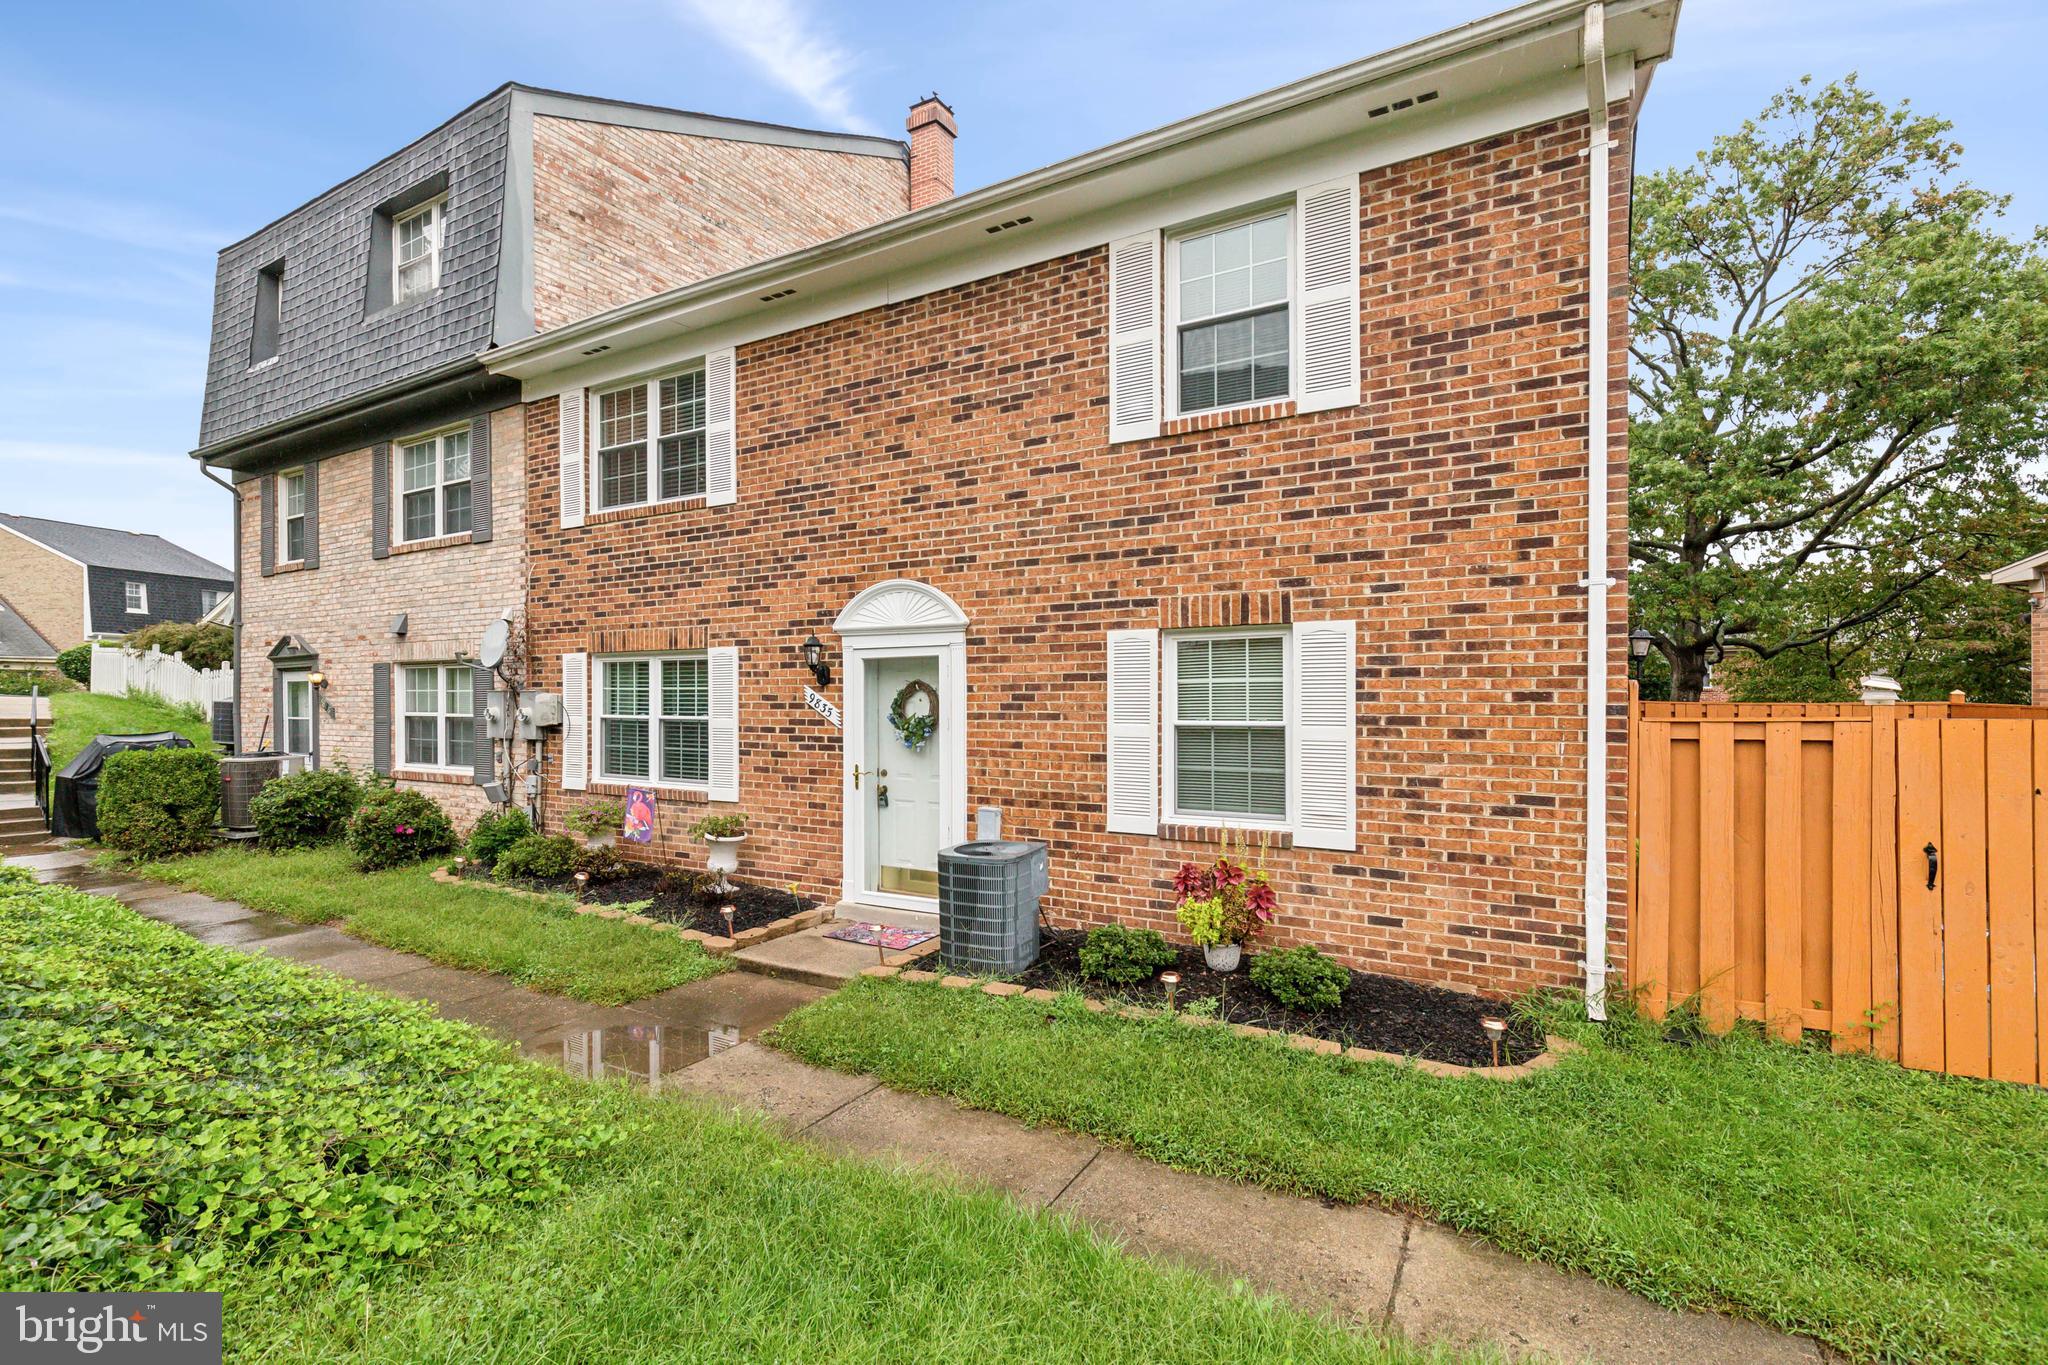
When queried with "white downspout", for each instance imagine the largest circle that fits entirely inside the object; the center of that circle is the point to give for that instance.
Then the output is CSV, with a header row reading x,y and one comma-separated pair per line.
x,y
1596,580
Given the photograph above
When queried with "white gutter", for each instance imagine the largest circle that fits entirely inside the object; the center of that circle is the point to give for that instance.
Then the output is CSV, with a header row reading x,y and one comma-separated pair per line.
x,y
1596,581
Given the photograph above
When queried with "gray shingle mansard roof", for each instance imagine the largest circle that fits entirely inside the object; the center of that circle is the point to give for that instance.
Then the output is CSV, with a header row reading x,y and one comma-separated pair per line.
x,y
102,547
18,639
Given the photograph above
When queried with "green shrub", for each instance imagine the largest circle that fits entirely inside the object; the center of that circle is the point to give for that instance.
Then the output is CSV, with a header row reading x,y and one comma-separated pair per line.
x,y
731,825
1300,978
1123,956
75,663
159,803
174,1112
11,876
306,809
19,682
202,646
539,857
495,832
601,864
595,819
393,827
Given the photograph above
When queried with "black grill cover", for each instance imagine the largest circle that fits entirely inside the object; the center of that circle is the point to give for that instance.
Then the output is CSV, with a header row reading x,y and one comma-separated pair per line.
x,y
75,809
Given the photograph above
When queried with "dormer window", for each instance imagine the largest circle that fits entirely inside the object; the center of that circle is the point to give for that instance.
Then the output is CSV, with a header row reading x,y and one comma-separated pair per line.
x,y
416,251
269,322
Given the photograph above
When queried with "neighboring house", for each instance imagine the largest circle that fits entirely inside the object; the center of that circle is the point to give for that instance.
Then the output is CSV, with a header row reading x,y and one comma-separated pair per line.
x,y
379,467
20,644
1263,473
2030,575
73,583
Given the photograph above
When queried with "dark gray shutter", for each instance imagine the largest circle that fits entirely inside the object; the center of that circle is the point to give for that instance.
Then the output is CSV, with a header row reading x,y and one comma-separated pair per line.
x,y
313,705
485,761
480,479
312,556
268,534
276,742
380,719
380,500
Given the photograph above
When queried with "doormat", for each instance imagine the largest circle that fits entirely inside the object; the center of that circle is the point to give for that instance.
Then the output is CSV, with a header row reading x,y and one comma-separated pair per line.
x,y
882,935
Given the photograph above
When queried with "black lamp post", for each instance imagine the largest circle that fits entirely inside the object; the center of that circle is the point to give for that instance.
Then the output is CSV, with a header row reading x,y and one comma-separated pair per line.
x,y
814,659
1639,642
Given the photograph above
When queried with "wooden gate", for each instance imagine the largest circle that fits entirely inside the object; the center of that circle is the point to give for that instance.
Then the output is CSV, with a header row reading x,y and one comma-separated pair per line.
x,y
1879,872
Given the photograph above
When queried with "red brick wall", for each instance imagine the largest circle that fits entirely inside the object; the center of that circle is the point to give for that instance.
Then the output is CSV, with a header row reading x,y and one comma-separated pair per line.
x,y
620,213
960,439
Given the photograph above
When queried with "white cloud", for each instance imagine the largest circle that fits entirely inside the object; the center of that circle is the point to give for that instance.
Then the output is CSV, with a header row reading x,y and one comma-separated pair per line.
x,y
791,47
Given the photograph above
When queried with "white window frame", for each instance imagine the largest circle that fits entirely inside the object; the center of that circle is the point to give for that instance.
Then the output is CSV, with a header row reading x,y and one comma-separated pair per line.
x,y
442,716
303,680
1283,209
434,211
594,440
440,486
285,515
135,597
209,598
1169,727
601,719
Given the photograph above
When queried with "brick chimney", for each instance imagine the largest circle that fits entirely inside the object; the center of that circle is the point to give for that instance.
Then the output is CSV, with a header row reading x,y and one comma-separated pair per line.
x,y
932,131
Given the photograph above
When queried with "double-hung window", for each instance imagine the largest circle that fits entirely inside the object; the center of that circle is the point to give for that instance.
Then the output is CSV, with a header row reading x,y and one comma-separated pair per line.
x,y
416,251
650,441
1231,306
654,720
136,597
433,488
440,715
1227,726
291,508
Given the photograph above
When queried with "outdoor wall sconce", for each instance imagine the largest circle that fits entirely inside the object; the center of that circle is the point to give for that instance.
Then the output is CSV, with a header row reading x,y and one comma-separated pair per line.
x,y
317,679
814,659
1639,642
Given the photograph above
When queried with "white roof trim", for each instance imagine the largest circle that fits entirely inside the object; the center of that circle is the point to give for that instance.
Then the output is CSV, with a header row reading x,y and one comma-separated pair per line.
x,y
2021,574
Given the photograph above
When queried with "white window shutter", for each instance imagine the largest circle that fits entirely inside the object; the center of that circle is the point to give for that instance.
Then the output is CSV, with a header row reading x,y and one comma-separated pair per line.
x,y
1327,291
724,663
1134,399
721,447
575,722
1326,734
573,483
1133,799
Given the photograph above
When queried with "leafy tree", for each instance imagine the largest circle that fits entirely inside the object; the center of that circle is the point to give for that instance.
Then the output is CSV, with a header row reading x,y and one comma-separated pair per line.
x,y
1838,389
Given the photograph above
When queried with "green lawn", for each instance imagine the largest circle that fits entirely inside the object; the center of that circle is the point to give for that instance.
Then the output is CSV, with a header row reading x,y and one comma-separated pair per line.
x,y
538,943
1893,1214
77,716
365,1181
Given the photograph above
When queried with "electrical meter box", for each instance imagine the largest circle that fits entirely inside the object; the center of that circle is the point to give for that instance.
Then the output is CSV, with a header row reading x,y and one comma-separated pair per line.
x,y
539,711
498,720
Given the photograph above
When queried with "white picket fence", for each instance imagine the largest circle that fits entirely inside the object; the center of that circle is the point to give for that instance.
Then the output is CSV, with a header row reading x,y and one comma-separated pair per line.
x,y
121,671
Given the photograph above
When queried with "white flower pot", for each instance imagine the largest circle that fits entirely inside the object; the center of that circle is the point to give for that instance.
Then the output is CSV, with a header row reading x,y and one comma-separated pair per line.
x,y
724,855
601,840
1222,957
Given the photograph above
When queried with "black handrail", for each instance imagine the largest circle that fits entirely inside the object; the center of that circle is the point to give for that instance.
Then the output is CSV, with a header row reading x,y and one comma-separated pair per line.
x,y
39,760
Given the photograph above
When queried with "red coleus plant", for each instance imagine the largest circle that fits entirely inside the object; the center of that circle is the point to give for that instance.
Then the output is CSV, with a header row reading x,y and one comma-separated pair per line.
x,y
1224,902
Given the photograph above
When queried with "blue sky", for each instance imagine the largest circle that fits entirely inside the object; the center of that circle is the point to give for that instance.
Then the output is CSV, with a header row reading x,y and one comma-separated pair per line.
x,y
141,138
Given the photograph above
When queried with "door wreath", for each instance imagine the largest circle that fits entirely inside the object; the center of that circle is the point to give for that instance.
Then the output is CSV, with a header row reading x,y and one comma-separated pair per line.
x,y
915,730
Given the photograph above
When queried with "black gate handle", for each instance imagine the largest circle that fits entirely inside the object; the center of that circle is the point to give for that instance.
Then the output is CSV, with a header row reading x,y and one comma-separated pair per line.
x,y
1933,863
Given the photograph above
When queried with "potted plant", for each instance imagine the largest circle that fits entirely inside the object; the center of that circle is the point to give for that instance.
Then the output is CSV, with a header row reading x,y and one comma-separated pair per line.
x,y
1220,906
722,835
597,823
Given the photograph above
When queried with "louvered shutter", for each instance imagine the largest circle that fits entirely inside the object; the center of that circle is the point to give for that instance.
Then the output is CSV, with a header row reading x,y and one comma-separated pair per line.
x,y
312,504
575,722
1327,289
1326,734
267,534
483,749
1132,802
573,483
380,719
380,500
721,434
724,664
1134,337
480,479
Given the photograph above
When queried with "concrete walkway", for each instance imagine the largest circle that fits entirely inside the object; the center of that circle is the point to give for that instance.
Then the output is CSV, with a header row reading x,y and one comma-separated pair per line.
x,y
1363,1265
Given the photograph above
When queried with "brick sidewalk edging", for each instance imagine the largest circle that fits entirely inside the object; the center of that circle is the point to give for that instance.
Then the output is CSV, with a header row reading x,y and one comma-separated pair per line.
x,y
1554,1047
718,945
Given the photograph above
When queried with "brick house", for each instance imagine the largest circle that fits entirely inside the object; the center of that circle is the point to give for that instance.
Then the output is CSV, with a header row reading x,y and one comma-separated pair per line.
x,y
378,467
2030,576
69,583
1264,472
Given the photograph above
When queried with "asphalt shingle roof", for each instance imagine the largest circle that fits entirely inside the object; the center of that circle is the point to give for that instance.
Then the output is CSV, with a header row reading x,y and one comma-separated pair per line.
x,y
105,548
18,639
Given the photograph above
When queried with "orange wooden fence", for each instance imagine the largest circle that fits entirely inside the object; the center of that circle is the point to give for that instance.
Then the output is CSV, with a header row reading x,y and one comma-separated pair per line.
x,y
1880,872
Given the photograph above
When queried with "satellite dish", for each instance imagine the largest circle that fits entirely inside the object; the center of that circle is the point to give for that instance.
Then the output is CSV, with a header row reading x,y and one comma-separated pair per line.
x,y
495,636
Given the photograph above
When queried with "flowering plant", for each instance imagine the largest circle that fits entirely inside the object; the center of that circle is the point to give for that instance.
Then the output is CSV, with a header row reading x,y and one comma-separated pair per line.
x,y
1223,902
403,829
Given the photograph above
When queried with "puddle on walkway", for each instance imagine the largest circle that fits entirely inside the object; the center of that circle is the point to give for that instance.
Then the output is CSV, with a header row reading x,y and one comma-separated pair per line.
x,y
643,1053
653,1039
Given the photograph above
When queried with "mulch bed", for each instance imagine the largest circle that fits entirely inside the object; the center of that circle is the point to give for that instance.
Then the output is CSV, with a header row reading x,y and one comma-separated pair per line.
x,y
681,896
1382,1013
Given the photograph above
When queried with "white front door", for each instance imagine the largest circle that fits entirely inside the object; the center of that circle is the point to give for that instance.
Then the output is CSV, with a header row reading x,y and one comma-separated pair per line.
x,y
899,791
